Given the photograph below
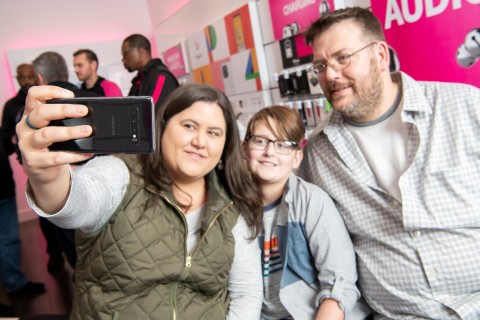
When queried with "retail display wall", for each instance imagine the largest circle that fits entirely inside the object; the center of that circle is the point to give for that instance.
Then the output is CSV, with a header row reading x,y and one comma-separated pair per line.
x,y
257,56
444,33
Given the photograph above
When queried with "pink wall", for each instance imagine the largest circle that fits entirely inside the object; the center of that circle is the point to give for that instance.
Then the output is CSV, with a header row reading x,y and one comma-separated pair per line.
x,y
431,33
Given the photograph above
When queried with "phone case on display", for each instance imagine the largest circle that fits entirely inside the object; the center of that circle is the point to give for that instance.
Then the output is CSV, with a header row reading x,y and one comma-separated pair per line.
x,y
238,29
228,82
299,106
285,84
318,106
324,8
211,38
120,125
288,48
288,52
313,84
302,82
287,31
309,113
295,83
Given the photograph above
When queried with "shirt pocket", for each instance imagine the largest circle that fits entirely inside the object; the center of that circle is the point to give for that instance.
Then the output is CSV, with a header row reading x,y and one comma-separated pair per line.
x,y
299,257
452,196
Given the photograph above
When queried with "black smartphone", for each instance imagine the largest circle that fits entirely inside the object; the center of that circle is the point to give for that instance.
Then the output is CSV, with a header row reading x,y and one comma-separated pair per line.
x,y
120,125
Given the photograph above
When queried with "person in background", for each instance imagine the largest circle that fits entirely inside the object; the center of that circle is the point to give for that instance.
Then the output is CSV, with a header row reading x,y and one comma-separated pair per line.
x,y
12,112
164,234
51,68
401,160
309,269
85,64
153,77
26,78
13,279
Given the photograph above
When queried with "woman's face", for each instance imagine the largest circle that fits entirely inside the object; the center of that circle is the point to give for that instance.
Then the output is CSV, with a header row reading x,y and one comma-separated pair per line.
x,y
193,142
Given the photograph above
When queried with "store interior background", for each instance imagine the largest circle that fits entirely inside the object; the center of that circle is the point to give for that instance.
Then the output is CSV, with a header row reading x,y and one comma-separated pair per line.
x,y
28,28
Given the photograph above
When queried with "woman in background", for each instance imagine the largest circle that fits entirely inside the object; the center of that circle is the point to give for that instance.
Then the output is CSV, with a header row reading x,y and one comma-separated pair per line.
x,y
166,235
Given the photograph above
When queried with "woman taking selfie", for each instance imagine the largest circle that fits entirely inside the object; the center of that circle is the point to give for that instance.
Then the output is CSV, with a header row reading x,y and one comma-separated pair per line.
x,y
160,236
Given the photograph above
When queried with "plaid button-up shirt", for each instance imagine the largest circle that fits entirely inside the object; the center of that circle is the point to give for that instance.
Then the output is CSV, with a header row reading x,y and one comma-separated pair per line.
x,y
418,258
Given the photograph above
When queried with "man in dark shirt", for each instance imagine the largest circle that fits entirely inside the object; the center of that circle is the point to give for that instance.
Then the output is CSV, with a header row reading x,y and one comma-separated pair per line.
x,y
26,78
153,77
85,64
13,279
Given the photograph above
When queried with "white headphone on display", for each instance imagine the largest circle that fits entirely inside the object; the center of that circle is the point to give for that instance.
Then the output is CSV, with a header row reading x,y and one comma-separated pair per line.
x,y
469,52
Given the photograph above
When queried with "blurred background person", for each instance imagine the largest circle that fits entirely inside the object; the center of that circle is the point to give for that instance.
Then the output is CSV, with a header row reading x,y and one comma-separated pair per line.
x,y
14,280
26,78
153,77
85,64
52,69
12,112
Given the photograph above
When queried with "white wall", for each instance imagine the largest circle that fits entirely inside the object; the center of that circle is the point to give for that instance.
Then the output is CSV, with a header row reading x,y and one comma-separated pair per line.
x,y
191,18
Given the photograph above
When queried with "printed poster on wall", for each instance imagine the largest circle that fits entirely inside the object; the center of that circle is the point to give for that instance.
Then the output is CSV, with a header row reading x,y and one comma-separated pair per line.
x,y
174,59
217,41
223,54
239,30
291,17
197,50
434,40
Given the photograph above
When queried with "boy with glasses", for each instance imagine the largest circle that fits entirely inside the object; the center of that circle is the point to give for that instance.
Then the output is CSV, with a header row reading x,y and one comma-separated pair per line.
x,y
309,269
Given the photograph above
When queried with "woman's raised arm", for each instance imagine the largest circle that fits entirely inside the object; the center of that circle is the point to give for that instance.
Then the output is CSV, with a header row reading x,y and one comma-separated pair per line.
x,y
47,171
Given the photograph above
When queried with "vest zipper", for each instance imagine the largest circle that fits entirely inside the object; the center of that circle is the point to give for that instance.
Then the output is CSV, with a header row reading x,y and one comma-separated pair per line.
x,y
172,293
188,258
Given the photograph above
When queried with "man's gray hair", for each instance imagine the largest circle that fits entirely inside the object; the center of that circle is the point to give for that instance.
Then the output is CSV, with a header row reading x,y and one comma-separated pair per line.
x,y
51,66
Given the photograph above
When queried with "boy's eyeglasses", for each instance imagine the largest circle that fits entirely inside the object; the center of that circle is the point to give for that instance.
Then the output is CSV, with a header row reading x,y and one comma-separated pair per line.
x,y
280,146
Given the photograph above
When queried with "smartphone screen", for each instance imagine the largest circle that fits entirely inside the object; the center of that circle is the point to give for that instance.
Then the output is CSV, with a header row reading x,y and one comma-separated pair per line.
x,y
120,125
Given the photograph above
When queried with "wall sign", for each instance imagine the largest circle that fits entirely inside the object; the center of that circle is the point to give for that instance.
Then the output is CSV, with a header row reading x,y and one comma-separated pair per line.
x,y
291,17
434,40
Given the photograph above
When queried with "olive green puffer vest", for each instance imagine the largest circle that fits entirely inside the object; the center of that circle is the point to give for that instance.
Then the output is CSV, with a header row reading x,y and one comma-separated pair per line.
x,y
137,267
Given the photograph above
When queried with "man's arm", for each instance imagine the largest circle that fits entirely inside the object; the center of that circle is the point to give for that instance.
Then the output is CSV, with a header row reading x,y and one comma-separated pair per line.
x,y
330,310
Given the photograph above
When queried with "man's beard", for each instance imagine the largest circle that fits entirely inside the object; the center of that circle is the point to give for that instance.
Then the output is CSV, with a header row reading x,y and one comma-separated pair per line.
x,y
367,94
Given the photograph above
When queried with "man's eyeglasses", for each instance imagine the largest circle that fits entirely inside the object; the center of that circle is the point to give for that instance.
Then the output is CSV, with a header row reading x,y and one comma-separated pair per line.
x,y
280,146
337,63
124,53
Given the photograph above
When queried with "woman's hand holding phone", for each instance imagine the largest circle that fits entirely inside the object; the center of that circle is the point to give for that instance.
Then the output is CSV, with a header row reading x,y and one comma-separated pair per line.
x,y
48,174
